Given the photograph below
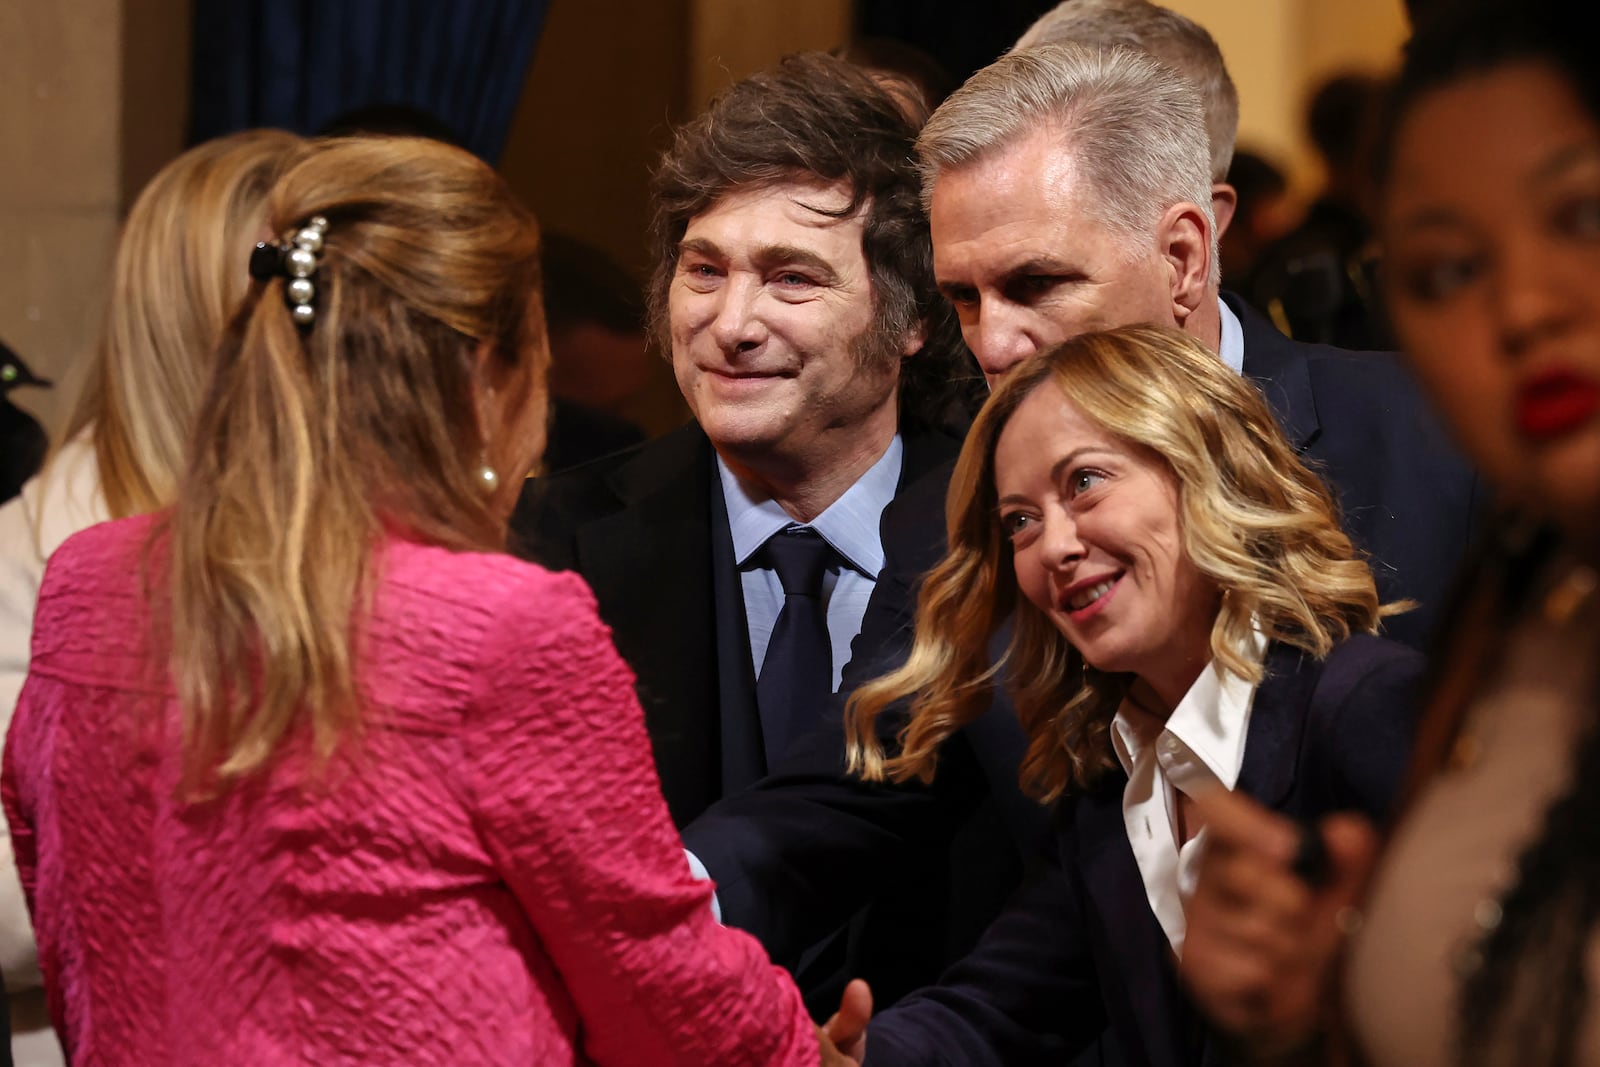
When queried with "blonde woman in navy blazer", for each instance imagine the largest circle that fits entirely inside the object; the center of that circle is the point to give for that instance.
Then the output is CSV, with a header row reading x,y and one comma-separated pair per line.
x,y
1185,614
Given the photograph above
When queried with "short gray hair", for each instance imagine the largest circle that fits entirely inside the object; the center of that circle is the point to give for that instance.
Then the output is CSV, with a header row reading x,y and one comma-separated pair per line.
x,y
1173,39
1133,128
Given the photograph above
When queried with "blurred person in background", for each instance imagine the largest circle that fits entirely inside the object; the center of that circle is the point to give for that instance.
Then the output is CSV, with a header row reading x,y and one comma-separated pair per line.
x,y
22,440
1262,216
600,358
1479,944
1317,281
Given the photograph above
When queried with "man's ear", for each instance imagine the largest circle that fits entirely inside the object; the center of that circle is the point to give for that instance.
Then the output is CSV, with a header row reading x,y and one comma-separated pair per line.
x,y
1184,241
914,339
1224,202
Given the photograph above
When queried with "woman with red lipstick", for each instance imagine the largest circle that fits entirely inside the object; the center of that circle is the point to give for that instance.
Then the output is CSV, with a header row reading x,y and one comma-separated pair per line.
x,y
1479,942
1188,616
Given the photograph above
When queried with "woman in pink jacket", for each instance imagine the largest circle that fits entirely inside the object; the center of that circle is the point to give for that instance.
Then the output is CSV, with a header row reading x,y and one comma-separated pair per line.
x,y
305,770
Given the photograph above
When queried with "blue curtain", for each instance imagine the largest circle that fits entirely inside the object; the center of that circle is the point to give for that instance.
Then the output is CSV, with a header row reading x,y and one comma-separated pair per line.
x,y
299,63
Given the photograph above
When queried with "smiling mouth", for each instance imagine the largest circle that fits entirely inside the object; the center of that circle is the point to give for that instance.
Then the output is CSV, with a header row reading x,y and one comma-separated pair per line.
x,y
1088,596
748,376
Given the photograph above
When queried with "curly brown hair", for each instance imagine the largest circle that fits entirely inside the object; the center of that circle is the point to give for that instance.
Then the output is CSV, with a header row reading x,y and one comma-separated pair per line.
x,y
815,116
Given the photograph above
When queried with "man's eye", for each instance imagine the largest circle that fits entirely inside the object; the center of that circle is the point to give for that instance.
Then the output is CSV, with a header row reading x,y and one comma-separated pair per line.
x,y
1031,287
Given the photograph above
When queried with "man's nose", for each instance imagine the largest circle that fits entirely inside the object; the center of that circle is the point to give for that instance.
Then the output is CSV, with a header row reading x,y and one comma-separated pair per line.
x,y
1000,339
738,324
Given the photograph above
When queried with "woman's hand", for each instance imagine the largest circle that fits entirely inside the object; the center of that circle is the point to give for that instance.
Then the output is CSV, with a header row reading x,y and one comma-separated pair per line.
x,y
844,1036
1261,944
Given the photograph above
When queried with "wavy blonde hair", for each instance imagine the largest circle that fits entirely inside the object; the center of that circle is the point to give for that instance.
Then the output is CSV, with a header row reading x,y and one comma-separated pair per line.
x,y
178,275
314,443
1254,520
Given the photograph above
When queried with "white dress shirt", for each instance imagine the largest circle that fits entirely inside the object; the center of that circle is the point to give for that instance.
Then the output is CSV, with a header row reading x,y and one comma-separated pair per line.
x,y
1231,345
850,525
1199,747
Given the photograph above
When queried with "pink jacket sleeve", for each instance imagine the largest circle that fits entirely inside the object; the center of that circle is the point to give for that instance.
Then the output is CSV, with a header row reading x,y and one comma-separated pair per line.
x,y
563,787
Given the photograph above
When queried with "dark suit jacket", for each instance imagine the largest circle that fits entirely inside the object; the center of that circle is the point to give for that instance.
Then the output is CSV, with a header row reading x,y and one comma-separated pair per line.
x,y
1408,499
1079,950
647,528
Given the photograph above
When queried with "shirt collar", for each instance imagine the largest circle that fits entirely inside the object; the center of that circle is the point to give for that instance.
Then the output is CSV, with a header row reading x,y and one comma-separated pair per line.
x,y
1211,721
850,524
1231,346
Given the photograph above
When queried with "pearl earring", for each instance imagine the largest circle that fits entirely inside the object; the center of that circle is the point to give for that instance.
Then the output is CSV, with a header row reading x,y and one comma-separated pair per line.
x,y
488,479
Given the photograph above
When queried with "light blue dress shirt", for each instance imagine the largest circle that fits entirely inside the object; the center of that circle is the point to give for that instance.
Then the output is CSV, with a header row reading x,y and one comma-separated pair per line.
x,y
850,525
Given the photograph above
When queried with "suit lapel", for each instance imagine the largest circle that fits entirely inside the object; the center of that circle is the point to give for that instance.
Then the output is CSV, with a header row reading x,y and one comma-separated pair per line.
x,y
1277,721
1136,978
925,450
1279,368
1137,970
661,565
744,758
649,566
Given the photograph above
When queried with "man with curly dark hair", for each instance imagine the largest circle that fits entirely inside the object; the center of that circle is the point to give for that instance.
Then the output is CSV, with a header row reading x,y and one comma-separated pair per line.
x,y
793,289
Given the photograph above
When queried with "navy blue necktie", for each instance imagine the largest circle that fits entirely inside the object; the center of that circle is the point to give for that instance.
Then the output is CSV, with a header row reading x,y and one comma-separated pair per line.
x,y
797,674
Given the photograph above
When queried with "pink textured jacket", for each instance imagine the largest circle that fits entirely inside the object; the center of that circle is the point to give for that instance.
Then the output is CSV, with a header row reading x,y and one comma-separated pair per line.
x,y
489,876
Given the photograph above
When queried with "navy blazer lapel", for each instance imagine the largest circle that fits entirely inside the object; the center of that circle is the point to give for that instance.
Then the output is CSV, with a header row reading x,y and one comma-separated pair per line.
x,y
925,450
1134,967
650,569
744,750
1279,368
1277,723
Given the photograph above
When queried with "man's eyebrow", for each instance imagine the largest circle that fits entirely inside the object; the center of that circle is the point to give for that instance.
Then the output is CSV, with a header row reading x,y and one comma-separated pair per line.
x,y
700,246
770,256
1035,265
1039,265
767,257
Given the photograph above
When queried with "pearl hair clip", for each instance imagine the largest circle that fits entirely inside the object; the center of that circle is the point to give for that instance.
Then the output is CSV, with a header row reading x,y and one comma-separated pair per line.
x,y
295,260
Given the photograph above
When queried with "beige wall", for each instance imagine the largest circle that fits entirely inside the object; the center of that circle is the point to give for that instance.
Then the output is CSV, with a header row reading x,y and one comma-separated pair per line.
x,y
92,100
155,89
1279,50
606,85
610,80
59,86
730,39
